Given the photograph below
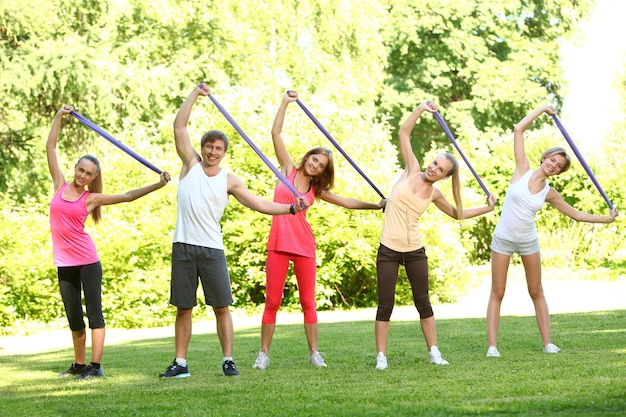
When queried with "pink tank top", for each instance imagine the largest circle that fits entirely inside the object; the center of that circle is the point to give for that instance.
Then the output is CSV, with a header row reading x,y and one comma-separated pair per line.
x,y
71,246
292,233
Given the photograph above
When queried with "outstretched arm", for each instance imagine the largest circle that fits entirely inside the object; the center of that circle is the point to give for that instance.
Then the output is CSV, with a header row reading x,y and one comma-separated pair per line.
x,y
352,203
522,164
558,203
58,179
96,199
404,136
238,189
285,161
185,150
444,205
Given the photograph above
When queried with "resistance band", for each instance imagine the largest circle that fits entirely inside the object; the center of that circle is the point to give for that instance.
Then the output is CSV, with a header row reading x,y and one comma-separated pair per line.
x,y
334,142
253,146
581,159
114,141
458,148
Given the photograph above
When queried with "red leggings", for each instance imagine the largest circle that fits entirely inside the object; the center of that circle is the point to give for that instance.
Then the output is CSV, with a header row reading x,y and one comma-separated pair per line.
x,y
276,268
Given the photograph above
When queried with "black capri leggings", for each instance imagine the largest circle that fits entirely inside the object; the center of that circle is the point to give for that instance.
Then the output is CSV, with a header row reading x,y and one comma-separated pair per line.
x,y
71,278
415,264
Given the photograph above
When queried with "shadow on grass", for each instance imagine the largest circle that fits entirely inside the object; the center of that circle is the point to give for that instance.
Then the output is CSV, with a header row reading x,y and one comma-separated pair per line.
x,y
586,378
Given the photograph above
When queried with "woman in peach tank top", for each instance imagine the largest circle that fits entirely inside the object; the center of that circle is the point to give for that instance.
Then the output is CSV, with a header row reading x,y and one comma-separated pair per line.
x,y
401,240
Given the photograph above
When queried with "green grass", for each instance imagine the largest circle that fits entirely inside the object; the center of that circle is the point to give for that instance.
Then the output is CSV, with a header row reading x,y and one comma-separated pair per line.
x,y
588,377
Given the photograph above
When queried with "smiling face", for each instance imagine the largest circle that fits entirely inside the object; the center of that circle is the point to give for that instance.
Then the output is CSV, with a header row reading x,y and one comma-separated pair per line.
x,y
555,161
438,169
84,172
553,165
213,152
315,164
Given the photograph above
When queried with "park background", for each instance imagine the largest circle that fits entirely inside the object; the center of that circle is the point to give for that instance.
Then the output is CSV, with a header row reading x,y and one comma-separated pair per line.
x,y
360,67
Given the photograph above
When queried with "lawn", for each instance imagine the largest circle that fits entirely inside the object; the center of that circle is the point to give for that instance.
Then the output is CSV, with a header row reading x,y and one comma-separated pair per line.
x,y
587,378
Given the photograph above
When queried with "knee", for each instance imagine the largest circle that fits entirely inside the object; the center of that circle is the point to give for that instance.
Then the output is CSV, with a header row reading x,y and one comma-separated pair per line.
x,y
183,312
221,311
384,313
535,292
497,294
272,304
425,310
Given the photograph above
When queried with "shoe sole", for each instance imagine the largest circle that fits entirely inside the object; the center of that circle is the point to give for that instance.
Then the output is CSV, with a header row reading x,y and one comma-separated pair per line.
x,y
176,376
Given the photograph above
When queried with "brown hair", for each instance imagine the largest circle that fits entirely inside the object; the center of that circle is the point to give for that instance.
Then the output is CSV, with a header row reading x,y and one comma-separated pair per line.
x,y
95,186
557,150
212,136
456,184
325,181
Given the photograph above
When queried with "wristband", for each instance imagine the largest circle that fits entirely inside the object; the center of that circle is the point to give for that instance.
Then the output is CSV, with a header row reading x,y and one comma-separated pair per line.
x,y
292,209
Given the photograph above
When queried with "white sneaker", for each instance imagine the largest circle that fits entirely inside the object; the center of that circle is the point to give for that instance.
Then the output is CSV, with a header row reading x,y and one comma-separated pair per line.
x,y
316,360
262,361
550,348
381,361
492,352
435,357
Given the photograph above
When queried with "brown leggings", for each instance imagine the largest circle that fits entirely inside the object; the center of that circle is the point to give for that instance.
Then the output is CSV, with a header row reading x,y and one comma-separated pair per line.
x,y
415,264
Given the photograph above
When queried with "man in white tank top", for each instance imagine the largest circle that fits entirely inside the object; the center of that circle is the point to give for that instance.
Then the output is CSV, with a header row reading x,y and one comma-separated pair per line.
x,y
198,247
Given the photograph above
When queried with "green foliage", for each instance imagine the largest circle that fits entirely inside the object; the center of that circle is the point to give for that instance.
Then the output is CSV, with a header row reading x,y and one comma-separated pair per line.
x,y
28,286
127,66
485,62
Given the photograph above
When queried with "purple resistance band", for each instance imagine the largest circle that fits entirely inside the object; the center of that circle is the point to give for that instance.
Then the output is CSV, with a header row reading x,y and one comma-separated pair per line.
x,y
253,146
581,159
114,141
456,145
334,142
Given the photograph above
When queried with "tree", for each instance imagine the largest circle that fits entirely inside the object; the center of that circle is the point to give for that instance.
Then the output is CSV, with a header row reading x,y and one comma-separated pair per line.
x,y
485,63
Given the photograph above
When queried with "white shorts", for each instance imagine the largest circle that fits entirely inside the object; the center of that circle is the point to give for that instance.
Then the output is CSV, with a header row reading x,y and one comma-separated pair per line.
x,y
506,247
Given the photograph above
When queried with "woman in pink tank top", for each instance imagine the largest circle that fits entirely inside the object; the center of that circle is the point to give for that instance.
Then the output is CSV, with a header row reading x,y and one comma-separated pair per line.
x,y
291,237
74,251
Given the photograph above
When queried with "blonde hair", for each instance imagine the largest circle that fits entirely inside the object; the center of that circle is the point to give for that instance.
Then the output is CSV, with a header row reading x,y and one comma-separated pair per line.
x,y
456,184
557,150
95,186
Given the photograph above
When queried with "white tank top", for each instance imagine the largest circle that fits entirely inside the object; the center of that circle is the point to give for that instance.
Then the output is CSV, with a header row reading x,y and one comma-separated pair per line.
x,y
201,201
517,221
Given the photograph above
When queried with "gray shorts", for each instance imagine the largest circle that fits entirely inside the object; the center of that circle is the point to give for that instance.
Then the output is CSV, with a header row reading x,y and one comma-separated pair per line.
x,y
190,262
506,247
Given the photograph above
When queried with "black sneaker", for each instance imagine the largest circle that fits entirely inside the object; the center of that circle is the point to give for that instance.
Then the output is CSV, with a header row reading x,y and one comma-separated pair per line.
x,y
73,371
91,372
175,371
229,368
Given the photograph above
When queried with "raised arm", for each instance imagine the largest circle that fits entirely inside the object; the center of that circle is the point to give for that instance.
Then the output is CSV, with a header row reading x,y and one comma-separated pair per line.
x,y
404,136
555,199
96,199
184,148
522,164
352,203
444,205
58,179
285,161
238,189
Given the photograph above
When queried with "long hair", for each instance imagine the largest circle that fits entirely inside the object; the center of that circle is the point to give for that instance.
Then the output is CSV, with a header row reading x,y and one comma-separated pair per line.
x,y
456,184
557,150
324,181
95,186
